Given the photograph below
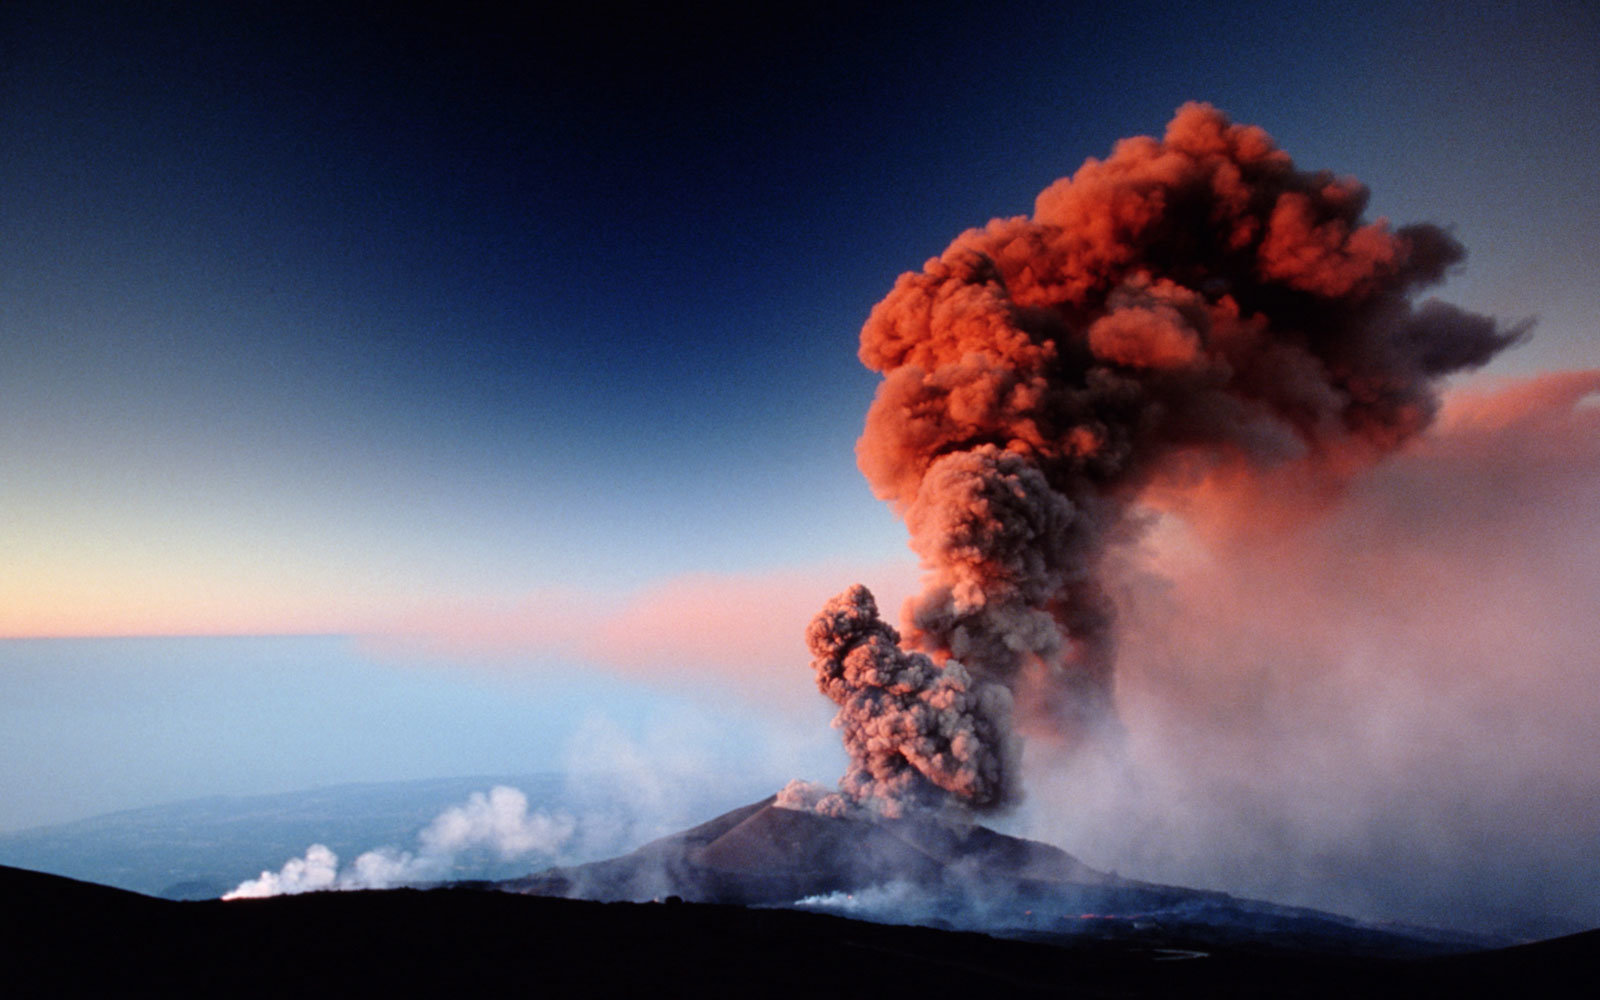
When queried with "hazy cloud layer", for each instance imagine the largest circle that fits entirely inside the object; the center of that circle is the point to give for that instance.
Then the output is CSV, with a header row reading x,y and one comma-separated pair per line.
x,y
1391,707
748,629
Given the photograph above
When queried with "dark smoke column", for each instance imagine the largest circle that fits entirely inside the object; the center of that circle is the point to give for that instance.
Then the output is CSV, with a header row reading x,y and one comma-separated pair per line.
x,y
918,733
1191,306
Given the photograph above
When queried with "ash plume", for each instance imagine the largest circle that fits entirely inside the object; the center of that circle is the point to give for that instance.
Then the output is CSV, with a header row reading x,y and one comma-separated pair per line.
x,y
1191,308
917,732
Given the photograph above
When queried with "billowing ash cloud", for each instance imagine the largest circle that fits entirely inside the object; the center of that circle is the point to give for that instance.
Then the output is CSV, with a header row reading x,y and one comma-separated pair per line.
x,y
916,732
1191,308
498,822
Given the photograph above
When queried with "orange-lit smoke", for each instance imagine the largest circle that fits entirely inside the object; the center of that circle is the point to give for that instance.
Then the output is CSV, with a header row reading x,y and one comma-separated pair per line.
x,y
1192,308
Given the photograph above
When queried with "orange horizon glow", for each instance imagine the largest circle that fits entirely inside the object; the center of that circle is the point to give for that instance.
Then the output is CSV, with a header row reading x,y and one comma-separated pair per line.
x,y
707,618
107,607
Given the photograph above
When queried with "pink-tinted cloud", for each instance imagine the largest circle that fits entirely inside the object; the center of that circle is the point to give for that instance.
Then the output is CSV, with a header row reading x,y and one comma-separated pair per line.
x,y
745,629
1395,707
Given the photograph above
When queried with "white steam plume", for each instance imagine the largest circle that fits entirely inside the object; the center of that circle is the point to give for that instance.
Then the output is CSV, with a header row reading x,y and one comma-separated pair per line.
x,y
498,822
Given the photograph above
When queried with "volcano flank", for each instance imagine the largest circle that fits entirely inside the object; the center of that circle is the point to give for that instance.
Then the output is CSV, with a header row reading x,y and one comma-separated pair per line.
x,y
928,871
765,854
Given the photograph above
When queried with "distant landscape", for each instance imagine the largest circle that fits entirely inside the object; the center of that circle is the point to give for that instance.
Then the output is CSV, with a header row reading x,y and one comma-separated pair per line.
x,y
1144,940
201,848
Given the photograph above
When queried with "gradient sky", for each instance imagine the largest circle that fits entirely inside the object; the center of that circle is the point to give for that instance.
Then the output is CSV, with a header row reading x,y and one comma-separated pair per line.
x,y
322,319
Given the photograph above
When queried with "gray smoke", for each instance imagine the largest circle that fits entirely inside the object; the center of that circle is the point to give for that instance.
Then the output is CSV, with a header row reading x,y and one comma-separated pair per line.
x,y
1191,310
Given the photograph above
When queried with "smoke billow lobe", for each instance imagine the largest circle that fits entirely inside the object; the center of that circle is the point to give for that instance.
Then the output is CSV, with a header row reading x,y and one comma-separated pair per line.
x,y
1190,306
917,732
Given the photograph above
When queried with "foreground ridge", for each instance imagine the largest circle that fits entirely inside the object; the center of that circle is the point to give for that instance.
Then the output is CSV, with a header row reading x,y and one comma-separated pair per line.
x,y
65,936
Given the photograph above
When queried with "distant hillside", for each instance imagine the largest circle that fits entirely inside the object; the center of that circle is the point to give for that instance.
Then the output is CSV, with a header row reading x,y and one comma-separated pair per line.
x,y
201,848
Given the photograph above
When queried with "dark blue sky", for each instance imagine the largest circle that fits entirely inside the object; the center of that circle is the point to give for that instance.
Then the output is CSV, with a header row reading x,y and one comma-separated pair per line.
x,y
379,299
313,314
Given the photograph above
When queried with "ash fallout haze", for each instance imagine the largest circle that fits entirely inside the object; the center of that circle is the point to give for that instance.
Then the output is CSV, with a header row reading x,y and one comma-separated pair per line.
x,y
391,396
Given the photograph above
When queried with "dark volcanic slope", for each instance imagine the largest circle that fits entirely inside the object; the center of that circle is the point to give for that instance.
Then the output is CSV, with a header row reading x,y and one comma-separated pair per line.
x,y
920,871
763,854
59,937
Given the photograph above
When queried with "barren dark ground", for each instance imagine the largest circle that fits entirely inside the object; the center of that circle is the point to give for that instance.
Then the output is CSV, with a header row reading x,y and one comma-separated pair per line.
x,y
60,935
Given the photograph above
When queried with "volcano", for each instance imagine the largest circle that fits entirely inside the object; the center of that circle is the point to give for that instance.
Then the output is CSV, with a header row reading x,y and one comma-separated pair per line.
x,y
764,854
927,871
